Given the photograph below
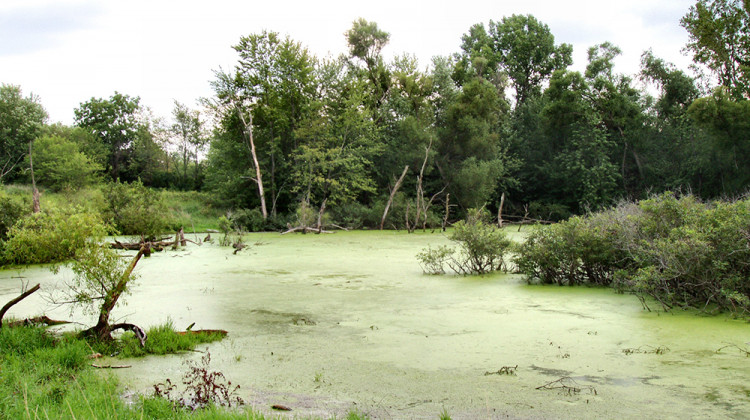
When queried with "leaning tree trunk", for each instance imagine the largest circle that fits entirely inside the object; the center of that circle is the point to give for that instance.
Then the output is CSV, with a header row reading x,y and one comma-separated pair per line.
x,y
102,330
393,194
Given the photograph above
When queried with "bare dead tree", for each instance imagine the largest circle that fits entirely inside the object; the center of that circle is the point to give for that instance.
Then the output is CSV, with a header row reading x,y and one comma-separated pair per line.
x,y
500,211
393,194
250,144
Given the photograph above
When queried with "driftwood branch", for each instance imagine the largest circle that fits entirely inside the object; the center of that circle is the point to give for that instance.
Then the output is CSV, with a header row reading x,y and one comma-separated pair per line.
x,y
21,297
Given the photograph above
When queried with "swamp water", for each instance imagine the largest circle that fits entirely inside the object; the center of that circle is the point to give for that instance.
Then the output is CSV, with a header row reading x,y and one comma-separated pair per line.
x,y
325,324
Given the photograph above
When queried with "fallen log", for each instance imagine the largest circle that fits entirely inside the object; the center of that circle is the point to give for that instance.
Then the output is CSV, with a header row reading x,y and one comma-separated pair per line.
x,y
305,229
37,320
223,333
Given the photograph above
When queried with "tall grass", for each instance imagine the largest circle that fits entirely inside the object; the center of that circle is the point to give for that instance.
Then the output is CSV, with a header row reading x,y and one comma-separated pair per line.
x,y
43,376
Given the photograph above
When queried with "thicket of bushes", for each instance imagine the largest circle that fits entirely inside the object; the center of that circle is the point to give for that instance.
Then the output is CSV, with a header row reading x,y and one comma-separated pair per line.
x,y
678,250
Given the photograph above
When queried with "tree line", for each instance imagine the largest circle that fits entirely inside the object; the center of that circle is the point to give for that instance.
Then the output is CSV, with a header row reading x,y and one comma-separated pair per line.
x,y
372,142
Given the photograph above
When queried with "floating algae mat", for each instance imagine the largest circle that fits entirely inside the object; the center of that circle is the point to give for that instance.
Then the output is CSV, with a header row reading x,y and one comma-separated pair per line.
x,y
325,324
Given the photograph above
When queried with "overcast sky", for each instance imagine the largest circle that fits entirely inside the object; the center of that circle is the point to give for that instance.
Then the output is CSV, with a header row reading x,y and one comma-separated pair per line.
x,y
68,51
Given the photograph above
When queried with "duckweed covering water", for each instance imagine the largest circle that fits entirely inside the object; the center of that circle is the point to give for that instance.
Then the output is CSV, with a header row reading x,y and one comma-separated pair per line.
x,y
329,323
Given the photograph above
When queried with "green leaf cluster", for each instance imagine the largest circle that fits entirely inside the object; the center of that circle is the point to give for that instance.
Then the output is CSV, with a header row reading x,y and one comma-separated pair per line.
x,y
679,251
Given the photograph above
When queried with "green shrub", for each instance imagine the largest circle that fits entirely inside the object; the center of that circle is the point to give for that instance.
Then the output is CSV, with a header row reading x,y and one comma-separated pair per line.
x,y
249,220
433,260
134,209
679,251
12,208
481,248
52,236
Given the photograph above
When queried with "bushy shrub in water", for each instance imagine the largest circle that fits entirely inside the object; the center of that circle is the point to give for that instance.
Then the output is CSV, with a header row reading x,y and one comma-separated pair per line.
x,y
679,251
433,260
481,248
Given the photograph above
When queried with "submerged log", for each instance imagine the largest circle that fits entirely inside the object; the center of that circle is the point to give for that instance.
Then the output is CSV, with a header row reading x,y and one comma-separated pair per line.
x,y
305,229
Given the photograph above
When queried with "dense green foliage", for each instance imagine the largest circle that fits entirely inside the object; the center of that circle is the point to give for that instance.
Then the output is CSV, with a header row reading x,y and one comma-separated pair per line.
x,y
679,251
59,164
51,236
134,209
21,121
504,115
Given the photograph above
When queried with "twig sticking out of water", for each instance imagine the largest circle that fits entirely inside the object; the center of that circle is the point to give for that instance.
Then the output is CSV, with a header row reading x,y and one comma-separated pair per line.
x,y
505,370
568,385
646,350
743,350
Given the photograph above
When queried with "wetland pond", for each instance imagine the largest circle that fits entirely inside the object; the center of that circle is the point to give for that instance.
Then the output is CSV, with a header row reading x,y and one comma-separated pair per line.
x,y
325,324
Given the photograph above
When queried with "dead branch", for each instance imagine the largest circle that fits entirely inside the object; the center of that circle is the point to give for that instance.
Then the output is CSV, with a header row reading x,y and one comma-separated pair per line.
x,y
21,297
505,370
742,350
568,385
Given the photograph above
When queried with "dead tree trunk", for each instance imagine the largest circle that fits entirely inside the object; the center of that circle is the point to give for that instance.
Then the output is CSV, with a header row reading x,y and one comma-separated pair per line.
x,y
500,211
447,210
420,191
320,215
251,145
393,194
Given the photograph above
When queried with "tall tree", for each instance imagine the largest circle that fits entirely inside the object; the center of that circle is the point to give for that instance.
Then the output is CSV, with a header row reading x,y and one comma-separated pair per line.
x,y
187,131
366,42
338,142
619,106
116,122
526,49
266,97
719,32
21,121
